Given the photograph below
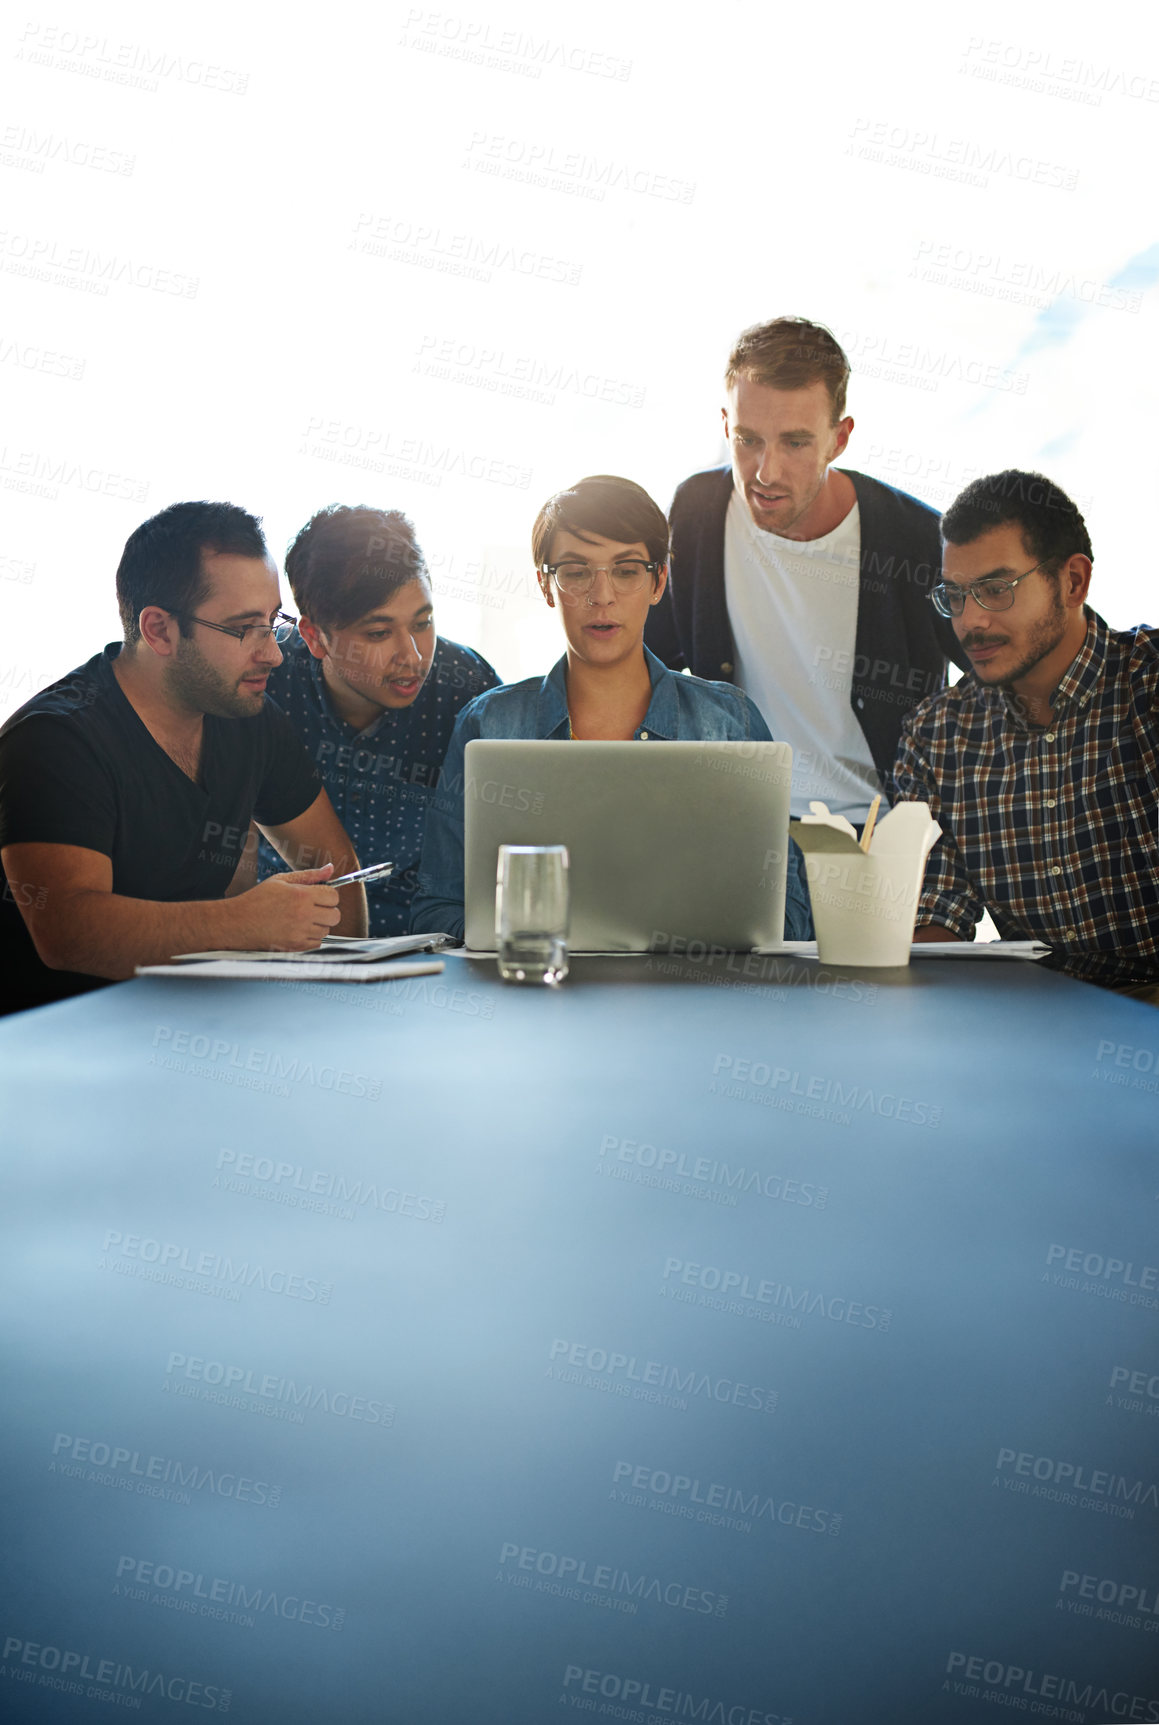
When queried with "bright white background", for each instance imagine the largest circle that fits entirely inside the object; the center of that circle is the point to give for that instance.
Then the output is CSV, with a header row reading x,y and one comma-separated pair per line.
x,y
449,261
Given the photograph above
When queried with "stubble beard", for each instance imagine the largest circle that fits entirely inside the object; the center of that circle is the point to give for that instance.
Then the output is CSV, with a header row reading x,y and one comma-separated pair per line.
x,y
783,528
1044,638
199,687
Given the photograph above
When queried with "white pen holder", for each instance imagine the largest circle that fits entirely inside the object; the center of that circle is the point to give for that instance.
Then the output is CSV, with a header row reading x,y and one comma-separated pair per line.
x,y
865,902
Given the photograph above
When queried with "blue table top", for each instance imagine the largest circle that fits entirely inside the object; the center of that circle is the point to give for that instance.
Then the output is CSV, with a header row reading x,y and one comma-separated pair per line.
x,y
730,1341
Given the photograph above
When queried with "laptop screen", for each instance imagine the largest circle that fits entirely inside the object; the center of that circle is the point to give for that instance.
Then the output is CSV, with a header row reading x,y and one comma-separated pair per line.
x,y
667,841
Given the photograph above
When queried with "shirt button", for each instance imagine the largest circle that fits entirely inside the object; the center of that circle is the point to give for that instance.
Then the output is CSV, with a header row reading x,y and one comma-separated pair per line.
x,y
1050,736
861,700
1056,869
1050,802
726,668
643,736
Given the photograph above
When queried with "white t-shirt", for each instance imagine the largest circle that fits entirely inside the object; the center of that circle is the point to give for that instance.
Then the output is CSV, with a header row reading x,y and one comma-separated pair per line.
x,y
792,604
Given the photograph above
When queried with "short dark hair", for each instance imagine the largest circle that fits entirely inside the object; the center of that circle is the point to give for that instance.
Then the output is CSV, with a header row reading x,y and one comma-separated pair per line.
x,y
608,507
791,353
161,563
1051,524
349,559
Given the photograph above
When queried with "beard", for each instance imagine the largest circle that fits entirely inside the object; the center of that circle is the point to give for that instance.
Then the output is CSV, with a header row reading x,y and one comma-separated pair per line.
x,y
1042,640
198,686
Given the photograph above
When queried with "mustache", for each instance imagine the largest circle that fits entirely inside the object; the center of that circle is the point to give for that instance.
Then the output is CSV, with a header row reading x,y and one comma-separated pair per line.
x,y
969,642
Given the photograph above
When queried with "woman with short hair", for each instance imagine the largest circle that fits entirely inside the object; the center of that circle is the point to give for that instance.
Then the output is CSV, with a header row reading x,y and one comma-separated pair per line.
x,y
601,551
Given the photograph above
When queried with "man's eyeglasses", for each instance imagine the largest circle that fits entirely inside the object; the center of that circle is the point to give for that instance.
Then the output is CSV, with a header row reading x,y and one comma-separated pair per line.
x,y
993,594
250,633
573,578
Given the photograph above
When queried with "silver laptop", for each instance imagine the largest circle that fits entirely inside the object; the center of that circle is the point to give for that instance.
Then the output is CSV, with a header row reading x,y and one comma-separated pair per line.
x,y
668,842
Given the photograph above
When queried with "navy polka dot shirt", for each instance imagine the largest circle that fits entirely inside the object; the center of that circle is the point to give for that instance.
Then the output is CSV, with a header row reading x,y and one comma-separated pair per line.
x,y
379,779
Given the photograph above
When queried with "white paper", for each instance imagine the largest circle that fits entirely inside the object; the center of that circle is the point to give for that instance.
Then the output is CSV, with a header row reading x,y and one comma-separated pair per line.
x,y
351,949
234,969
980,949
930,949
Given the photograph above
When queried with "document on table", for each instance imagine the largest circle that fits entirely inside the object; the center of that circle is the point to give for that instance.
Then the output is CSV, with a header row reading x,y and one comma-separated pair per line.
x,y
991,949
979,949
295,967
349,949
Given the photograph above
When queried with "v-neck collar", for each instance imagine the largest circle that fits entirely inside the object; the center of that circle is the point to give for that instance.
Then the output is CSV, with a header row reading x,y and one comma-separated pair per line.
x,y
111,654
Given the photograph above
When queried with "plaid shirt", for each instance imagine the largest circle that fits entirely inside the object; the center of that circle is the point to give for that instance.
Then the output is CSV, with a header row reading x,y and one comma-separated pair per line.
x,y
1054,831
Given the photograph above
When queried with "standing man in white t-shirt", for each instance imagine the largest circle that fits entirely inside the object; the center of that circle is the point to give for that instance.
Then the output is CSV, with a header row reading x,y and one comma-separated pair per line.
x,y
804,583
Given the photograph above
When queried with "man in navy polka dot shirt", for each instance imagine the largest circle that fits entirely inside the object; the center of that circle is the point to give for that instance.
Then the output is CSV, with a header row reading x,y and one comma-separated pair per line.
x,y
371,690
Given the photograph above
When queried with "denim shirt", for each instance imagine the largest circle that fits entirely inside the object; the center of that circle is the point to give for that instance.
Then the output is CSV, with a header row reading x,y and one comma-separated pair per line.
x,y
682,709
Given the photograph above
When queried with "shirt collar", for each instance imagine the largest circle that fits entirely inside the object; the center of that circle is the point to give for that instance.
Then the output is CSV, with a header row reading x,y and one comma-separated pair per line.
x,y
660,721
1080,679
1077,683
325,702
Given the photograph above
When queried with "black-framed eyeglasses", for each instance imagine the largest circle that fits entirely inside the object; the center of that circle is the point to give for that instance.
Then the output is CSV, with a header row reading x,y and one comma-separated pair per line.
x,y
573,577
251,632
993,594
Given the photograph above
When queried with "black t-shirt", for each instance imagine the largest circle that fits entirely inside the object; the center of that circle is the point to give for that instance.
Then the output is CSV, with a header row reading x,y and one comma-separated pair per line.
x,y
78,767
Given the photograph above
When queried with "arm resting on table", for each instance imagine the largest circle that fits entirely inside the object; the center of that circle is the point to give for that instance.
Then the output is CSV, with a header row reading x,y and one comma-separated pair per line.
x,y
318,837
77,922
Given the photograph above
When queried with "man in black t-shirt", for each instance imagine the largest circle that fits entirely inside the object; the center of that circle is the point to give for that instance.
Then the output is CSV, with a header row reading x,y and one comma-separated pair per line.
x,y
127,788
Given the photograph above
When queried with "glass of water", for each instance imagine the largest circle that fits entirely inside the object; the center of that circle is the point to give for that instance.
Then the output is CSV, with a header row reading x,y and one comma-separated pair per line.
x,y
531,913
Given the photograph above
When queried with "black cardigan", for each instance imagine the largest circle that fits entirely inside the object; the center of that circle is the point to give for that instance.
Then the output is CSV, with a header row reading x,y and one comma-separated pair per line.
x,y
902,644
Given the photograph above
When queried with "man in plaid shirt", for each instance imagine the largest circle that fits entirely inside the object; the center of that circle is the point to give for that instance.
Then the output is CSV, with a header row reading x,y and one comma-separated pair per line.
x,y
1042,764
